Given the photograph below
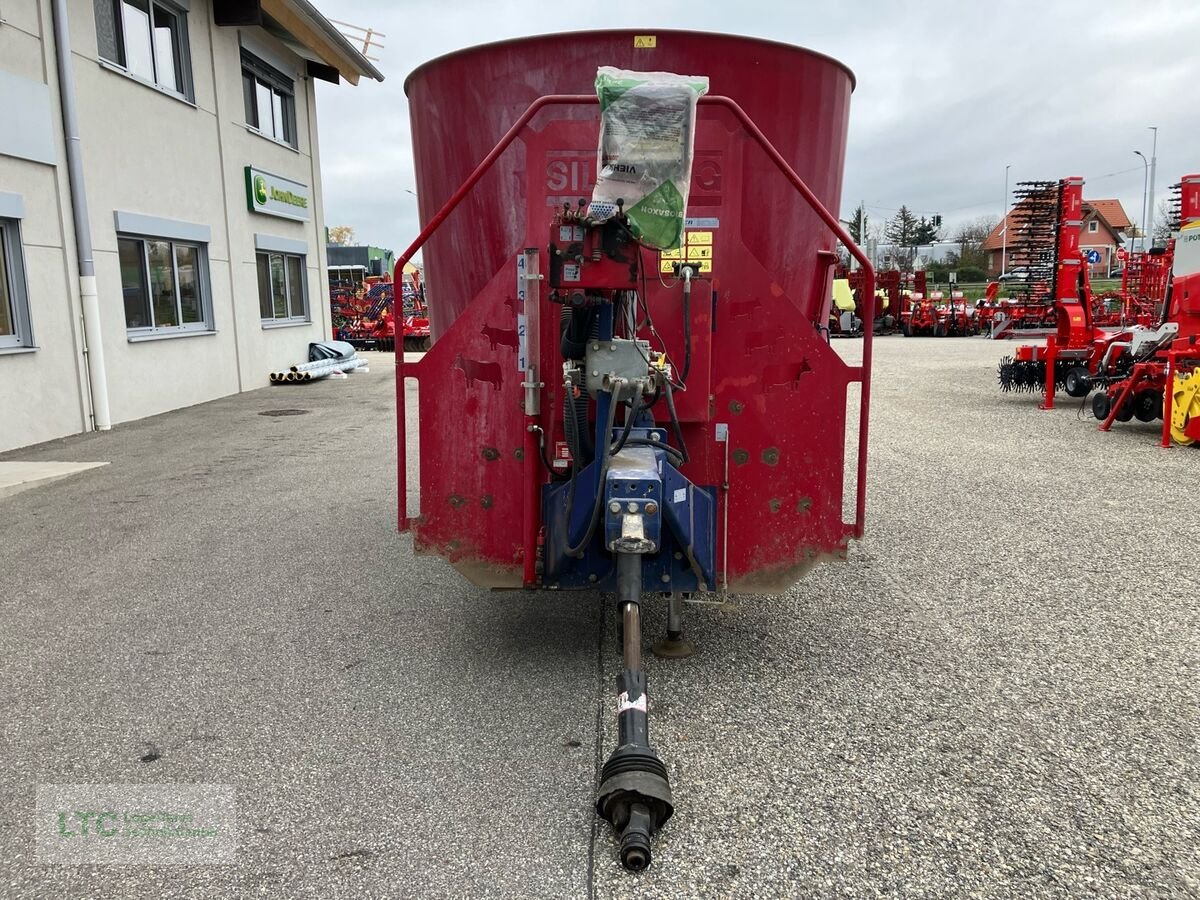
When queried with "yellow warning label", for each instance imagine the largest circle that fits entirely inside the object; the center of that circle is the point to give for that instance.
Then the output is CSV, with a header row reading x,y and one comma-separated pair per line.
x,y
645,41
667,266
697,248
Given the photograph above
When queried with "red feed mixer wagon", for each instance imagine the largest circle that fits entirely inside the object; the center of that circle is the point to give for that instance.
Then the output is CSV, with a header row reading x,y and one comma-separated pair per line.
x,y
601,415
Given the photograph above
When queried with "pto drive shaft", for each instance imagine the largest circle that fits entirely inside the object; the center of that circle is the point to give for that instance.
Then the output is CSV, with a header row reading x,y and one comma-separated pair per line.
x,y
635,793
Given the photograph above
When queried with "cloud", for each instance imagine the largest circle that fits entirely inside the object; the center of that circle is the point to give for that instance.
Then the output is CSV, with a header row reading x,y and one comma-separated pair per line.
x,y
948,94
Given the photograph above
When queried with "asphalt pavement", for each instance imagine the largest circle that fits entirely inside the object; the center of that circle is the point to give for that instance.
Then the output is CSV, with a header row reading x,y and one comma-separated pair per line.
x,y
994,696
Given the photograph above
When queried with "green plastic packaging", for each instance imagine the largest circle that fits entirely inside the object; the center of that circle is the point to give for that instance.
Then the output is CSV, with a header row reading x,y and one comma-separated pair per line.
x,y
647,131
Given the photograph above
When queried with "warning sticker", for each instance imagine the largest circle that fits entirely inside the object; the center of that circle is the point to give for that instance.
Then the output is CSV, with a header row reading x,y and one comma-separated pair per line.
x,y
562,455
697,248
624,703
645,41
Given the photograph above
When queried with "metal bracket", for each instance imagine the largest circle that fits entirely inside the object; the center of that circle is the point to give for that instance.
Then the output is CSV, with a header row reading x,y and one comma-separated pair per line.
x,y
528,327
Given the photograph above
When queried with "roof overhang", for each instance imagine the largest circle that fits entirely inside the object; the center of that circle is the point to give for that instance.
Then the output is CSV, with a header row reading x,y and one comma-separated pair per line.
x,y
328,52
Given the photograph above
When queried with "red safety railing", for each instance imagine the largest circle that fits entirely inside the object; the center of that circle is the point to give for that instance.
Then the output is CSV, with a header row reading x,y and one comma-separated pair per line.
x,y
860,373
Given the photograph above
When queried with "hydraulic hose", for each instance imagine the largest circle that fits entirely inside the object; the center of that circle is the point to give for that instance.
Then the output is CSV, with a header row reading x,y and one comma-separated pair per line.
x,y
635,407
675,422
602,464
675,456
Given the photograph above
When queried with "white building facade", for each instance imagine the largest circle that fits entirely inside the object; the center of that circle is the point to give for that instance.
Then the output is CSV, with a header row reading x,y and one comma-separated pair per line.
x,y
161,230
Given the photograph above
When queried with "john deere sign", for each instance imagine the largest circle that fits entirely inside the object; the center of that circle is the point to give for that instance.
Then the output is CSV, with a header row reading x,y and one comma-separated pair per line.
x,y
275,196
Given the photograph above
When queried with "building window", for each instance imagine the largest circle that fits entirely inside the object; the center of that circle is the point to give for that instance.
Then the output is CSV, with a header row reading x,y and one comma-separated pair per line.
x,y
148,40
281,288
270,100
165,285
15,330
1093,226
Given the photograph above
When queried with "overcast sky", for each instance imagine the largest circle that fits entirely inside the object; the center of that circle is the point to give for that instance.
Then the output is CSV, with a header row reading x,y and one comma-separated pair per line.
x,y
948,94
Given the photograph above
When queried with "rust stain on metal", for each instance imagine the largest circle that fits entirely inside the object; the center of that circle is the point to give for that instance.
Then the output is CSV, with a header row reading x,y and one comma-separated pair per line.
x,y
490,453
770,456
736,407
456,500
774,504
741,457
803,505
777,577
486,501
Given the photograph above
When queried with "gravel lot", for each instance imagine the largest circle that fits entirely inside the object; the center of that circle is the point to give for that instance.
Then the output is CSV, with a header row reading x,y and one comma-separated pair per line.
x,y
995,696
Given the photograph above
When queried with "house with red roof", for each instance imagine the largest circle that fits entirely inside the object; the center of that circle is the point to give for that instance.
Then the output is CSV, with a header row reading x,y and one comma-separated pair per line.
x,y
1103,230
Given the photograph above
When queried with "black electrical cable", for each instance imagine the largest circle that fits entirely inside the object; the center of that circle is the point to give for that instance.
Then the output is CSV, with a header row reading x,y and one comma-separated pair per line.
x,y
602,468
649,322
687,331
645,296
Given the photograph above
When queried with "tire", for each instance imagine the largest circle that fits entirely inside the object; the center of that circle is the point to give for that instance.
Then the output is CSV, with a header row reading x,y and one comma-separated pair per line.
x,y
907,329
940,330
1125,412
1077,382
1101,406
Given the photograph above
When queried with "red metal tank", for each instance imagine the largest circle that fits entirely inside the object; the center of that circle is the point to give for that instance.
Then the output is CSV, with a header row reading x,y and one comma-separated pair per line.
x,y
463,103
764,414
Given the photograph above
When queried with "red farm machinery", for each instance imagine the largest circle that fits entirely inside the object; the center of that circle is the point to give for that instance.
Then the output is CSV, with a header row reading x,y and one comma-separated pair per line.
x,y
930,313
603,414
1143,364
1157,373
1045,223
848,313
363,309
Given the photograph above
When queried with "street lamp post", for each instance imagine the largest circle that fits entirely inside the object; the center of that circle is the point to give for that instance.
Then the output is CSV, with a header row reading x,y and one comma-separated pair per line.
x,y
1004,225
1145,175
1150,200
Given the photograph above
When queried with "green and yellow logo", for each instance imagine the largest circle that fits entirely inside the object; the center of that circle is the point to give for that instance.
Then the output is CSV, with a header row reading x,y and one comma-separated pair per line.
x,y
260,189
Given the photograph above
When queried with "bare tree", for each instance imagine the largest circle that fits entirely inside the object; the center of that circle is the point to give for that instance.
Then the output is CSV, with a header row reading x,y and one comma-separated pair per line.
x,y
970,237
1164,222
343,235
